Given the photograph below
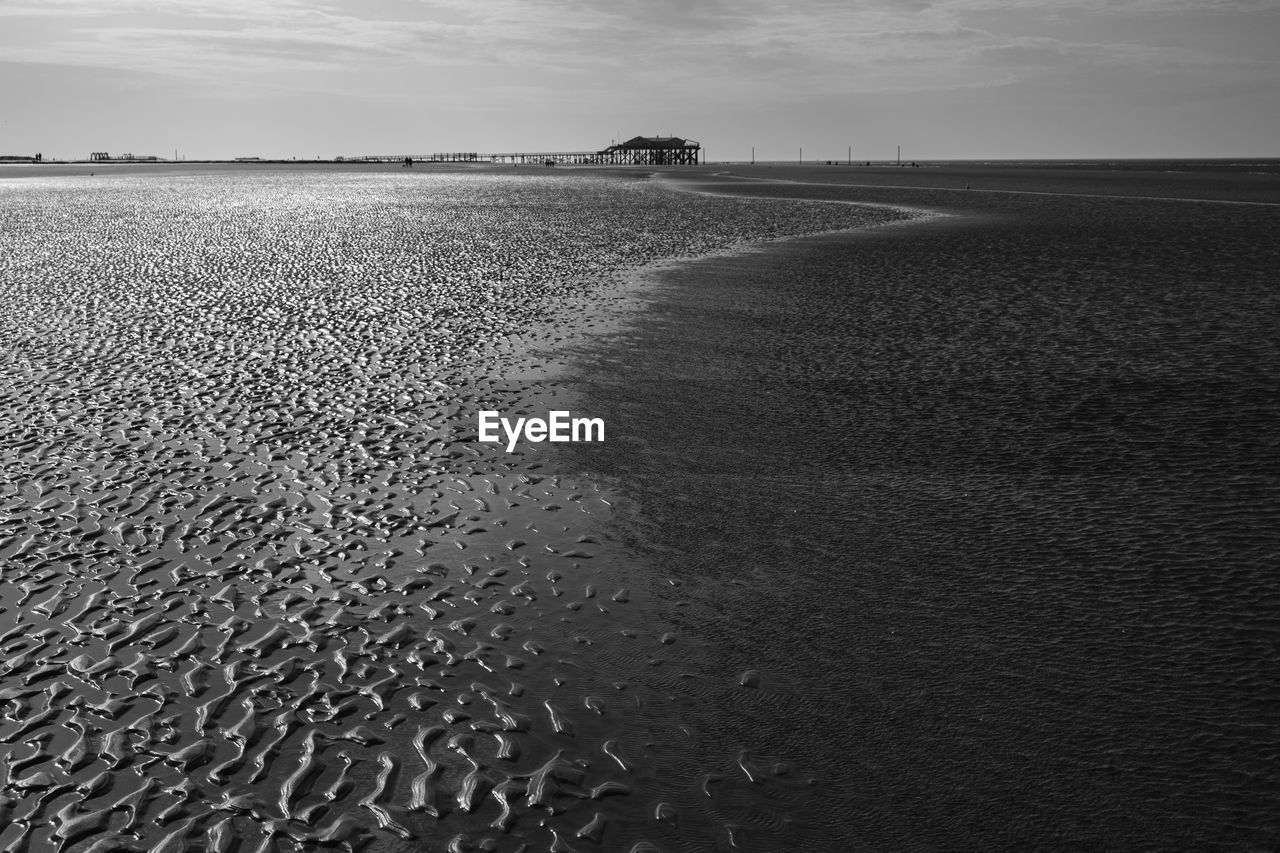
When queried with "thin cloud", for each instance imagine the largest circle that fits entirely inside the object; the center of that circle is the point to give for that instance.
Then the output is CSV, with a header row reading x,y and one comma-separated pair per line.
x,y
1043,52
733,49
244,10
217,45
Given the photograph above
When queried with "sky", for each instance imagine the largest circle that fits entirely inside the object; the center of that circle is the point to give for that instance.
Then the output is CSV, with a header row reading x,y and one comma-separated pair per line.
x,y
831,78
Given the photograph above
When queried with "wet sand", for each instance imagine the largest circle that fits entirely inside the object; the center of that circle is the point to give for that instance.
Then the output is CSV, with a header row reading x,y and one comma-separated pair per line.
x,y
969,557
262,587
987,506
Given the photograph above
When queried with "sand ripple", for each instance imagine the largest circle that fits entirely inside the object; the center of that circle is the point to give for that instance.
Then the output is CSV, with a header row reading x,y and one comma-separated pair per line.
x,y
261,588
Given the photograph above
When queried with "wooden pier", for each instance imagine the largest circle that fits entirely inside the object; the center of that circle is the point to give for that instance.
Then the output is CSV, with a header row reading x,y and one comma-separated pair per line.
x,y
637,151
452,157
546,158
654,151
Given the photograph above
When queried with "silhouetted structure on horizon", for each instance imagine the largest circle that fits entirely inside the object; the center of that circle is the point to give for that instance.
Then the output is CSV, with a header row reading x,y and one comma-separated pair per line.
x,y
104,157
636,151
654,151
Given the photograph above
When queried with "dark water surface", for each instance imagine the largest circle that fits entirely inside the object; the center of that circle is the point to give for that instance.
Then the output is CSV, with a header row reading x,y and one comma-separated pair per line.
x,y
989,502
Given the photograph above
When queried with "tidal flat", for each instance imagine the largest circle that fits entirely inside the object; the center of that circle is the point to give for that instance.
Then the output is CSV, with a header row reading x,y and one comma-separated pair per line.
x,y
261,588
938,508
989,501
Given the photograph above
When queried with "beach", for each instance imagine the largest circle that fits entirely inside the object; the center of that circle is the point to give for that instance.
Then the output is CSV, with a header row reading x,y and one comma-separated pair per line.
x,y
262,582
936,508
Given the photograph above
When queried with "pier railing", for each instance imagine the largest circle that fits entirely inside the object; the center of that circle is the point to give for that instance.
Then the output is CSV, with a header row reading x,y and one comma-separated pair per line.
x,y
611,157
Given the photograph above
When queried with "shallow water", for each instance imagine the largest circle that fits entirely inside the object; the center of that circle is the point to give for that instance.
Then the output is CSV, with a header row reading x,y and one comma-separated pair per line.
x,y
260,586
996,524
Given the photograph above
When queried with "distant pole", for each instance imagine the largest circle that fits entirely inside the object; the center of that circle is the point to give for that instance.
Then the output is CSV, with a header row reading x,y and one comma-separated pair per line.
x,y
899,155
801,156
753,155
849,160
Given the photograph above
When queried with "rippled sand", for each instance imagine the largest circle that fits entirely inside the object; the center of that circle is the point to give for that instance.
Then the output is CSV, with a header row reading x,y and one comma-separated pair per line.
x,y
260,586
956,534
